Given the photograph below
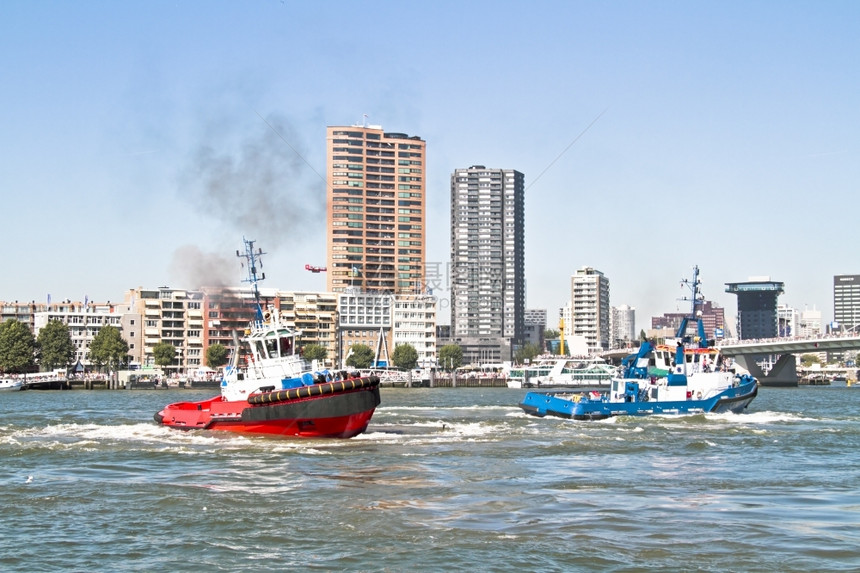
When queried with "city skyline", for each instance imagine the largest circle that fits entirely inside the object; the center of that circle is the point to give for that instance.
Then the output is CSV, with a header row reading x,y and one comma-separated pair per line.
x,y
142,141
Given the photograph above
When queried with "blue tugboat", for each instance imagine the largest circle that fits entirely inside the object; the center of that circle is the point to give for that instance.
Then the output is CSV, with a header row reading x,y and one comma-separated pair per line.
x,y
687,377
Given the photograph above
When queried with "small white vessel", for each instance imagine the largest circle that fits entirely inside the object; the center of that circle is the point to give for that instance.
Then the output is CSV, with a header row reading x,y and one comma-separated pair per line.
x,y
9,384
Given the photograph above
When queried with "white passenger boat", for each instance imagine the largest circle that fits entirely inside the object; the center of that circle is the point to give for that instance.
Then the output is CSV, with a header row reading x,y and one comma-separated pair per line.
x,y
563,372
10,384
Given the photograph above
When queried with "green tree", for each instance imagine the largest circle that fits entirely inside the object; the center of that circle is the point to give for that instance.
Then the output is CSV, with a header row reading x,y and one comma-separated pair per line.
x,y
549,334
405,356
216,356
809,359
527,352
164,354
314,352
17,347
450,357
55,347
108,348
360,356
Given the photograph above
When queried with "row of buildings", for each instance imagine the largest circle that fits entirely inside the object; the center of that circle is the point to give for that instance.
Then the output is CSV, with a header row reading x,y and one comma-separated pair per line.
x,y
191,321
380,287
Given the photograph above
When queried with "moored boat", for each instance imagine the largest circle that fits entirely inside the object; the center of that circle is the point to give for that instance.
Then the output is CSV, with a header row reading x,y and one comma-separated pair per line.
x,y
688,377
12,384
583,373
269,388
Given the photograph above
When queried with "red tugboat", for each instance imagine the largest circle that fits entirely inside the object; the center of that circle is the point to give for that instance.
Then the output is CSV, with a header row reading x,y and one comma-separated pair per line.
x,y
275,391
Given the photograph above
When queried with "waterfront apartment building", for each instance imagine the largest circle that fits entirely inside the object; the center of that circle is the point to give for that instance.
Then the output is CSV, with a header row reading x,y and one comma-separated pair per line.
x,y
375,210
195,320
85,320
174,316
589,301
487,258
23,312
757,302
229,310
414,323
315,315
846,302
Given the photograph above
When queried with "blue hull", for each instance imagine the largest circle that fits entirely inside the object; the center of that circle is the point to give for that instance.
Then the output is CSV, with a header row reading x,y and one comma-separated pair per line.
x,y
730,400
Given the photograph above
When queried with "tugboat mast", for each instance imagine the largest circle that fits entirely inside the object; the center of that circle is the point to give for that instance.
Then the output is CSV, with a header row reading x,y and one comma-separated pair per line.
x,y
252,259
697,299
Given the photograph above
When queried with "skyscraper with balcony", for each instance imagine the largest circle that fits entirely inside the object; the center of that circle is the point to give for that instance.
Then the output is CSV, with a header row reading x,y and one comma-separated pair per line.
x,y
487,254
376,233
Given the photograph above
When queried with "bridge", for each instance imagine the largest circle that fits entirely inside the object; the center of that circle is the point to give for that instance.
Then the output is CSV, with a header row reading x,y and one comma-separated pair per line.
x,y
784,371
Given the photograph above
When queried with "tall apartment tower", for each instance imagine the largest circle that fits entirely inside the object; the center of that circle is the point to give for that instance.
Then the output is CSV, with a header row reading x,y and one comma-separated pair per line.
x,y
589,299
846,301
375,214
487,253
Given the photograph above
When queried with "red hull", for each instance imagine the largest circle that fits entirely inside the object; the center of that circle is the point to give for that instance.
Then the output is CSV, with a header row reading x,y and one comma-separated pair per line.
x,y
336,415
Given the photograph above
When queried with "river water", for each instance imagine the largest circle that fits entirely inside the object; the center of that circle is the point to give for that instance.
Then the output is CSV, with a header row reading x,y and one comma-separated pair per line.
x,y
444,480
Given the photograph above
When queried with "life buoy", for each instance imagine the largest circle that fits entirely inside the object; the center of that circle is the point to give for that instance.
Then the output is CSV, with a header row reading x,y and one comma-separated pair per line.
x,y
699,395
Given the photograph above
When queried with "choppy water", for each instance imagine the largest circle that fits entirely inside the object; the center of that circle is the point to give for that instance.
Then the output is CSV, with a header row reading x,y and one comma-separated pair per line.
x,y
445,479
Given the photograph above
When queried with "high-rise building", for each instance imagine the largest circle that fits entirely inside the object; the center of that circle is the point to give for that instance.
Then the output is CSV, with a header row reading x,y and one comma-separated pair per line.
x,y
757,315
589,299
846,301
487,254
375,216
622,324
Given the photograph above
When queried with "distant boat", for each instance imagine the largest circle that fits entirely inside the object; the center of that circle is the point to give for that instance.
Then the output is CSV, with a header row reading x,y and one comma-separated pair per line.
x,y
269,388
563,372
11,384
687,377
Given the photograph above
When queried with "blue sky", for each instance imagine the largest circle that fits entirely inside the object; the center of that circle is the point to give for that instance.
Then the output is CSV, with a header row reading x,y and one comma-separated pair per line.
x,y
138,147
